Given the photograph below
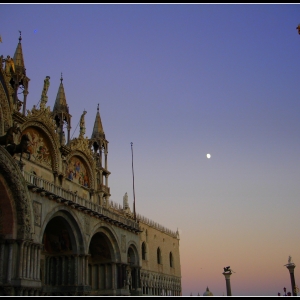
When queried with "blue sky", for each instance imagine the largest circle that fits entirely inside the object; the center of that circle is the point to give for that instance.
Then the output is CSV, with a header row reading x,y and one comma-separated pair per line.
x,y
181,81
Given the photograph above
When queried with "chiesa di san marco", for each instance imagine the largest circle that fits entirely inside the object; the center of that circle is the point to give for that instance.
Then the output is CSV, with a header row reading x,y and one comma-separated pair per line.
x,y
60,234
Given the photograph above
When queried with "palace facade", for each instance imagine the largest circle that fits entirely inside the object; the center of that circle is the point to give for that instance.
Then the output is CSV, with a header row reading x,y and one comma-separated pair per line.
x,y
60,234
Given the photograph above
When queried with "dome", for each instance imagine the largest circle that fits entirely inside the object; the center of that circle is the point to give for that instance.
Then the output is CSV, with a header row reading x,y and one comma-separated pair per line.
x,y
208,292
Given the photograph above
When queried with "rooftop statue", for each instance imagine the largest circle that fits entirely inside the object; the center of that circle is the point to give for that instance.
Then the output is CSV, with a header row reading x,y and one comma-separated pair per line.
x,y
46,86
44,97
82,124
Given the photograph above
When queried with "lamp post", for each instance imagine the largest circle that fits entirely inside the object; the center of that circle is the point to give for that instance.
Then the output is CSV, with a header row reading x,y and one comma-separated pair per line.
x,y
291,267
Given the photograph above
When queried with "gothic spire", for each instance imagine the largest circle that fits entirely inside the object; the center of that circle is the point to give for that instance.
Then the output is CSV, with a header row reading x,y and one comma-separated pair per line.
x,y
60,104
98,132
61,113
18,57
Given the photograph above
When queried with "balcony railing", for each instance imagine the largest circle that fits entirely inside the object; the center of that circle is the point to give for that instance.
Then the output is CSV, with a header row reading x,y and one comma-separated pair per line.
x,y
70,198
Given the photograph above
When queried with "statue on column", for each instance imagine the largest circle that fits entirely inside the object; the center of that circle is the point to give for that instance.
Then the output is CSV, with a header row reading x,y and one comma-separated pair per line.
x,y
82,124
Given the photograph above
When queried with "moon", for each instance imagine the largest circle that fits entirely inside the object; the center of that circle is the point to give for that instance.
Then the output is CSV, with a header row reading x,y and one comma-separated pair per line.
x,y
208,155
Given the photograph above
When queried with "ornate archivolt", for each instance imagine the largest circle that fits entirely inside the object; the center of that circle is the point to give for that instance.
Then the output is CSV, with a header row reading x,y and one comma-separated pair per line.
x,y
44,143
74,224
44,116
14,178
111,238
82,144
80,167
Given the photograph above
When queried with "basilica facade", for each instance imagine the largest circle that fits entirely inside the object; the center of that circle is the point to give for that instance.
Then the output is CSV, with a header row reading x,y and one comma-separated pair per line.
x,y
60,234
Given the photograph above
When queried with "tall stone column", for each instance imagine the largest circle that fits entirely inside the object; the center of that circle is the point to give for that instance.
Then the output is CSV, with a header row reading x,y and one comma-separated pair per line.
x,y
38,267
2,247
9,265
69,270
28,260
291,267
227,275
76,269
24,266
87,269
99,276
106,276
32,258
114,276
47,269
21,248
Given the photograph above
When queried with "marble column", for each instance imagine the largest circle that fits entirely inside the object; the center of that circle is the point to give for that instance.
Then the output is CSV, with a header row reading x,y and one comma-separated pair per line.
x,y
24,266
69,270
9,265
63,269
76,269
227,278
47,264
106,277
21,249
114,275
2,247
28,260
83,269
51,276
87,269
32,253
291,267
39,248
57,277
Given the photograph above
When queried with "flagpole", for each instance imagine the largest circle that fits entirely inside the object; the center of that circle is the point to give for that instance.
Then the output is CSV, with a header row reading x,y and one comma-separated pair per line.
x,y
133,183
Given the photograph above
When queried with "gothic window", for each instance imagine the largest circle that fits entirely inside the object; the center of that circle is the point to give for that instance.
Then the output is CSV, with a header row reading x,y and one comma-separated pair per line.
x,y
158,256
143,251
171,260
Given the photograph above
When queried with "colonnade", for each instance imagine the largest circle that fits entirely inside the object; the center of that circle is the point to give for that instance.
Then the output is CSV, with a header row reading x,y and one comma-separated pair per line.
x,y
20,276
153,284
61,270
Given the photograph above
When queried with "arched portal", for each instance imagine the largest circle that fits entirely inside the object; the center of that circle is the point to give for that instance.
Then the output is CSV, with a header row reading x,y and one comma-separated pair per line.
x,y
60,275
102,267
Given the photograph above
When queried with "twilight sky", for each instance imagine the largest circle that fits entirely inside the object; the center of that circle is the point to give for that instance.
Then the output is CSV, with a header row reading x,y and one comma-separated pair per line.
x,y
181,81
